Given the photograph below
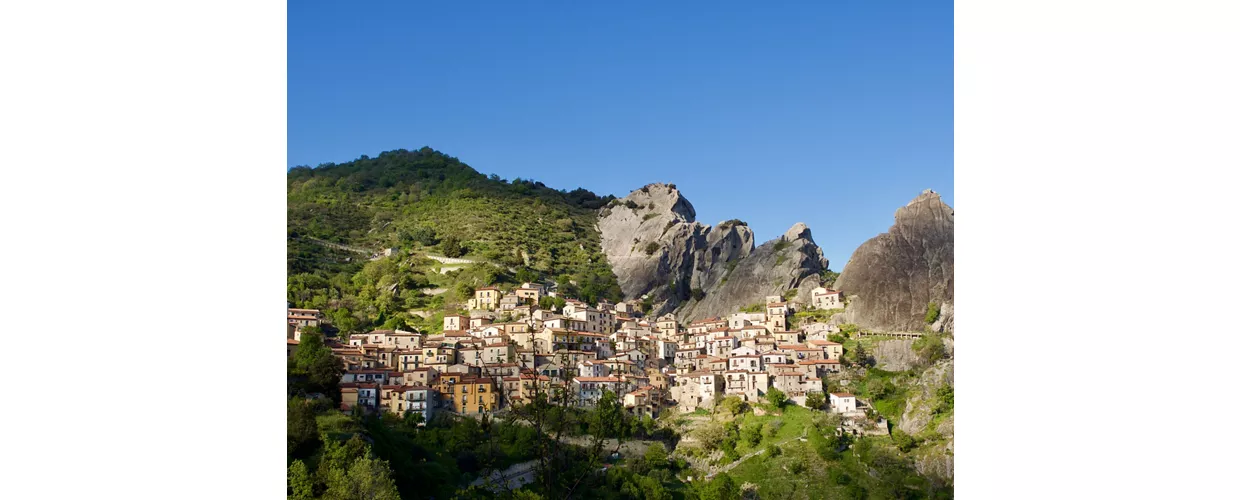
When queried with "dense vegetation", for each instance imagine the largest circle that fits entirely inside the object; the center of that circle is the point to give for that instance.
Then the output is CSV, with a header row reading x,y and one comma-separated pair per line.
x,y
424,203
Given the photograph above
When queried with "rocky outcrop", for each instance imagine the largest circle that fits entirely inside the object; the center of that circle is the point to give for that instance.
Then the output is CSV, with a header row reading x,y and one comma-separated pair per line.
x,y
657,249
892,278
895,355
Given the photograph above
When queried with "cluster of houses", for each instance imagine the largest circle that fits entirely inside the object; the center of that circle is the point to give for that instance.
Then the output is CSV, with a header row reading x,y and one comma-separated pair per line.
x,y
479,364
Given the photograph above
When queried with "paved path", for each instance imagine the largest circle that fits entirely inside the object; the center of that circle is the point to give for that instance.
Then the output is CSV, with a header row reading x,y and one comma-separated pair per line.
x,y
450,260
338,246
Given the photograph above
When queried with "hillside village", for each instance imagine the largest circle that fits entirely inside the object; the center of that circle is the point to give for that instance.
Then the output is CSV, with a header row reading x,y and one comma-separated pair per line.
x,y
479,365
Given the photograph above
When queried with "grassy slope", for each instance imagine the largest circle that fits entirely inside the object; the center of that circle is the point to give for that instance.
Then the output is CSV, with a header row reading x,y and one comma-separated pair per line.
x,y
412,200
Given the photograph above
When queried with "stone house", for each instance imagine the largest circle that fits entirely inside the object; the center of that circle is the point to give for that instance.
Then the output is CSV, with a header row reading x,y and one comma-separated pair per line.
x,y
777,316
824,298
831,350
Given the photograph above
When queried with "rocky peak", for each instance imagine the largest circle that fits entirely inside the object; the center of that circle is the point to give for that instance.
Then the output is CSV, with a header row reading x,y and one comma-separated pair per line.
x,y
798,231
892,278
661,198
656,248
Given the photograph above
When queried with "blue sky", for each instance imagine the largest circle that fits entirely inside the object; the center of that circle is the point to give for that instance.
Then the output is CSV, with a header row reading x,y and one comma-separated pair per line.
x,y
832,113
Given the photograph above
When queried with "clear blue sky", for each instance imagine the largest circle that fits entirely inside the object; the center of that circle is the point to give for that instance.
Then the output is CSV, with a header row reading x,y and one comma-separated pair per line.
x,y
834,114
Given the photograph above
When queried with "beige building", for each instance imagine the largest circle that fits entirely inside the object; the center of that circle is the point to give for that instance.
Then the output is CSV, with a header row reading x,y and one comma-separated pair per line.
x,y
486,298
302,318
777,316
455,322
824,298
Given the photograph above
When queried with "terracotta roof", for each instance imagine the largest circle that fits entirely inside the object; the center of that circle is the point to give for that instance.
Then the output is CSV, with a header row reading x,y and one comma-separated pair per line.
x,y
818,362
293,342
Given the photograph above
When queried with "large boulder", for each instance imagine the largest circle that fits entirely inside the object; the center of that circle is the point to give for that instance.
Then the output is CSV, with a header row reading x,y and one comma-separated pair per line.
x,y
657,248
892,278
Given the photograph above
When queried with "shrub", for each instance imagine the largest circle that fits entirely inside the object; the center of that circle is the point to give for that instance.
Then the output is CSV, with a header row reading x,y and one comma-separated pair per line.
x,y
932,313
815,400
697,294
732,404
929,348
902,440
781,244
776,397
773,427
796,467
772,450
631,204
651,248
752,433
649,216
946,399
451,247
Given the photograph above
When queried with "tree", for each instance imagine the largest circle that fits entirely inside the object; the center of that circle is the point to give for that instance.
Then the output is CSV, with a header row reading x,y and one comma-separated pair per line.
x,y
451,247
776,397
315,367
752,433
303,429
815,400
859,356
656,456
721,487
365,478
299,481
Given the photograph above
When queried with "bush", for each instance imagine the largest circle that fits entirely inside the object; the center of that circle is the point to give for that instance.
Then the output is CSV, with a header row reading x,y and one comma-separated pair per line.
x,y
651,248
946,399
929,348
772,450
733,405
932,313
631,204
773,427
776,397
649,216
902,440
815,400
697,294
796,467
752,433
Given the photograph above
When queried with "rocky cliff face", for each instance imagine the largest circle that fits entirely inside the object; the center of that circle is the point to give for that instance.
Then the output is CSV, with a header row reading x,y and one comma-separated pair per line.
x,y
656,247
892,278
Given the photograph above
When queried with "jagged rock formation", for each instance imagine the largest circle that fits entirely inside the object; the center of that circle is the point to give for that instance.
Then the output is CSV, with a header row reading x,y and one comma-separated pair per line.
x,y
656,248
892,278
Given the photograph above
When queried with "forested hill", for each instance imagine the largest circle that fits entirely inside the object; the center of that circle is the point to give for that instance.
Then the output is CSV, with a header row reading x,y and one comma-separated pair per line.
x,y
427,203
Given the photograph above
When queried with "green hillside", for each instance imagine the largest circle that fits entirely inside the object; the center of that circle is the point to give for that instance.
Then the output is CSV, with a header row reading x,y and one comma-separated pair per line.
x,y
427,203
